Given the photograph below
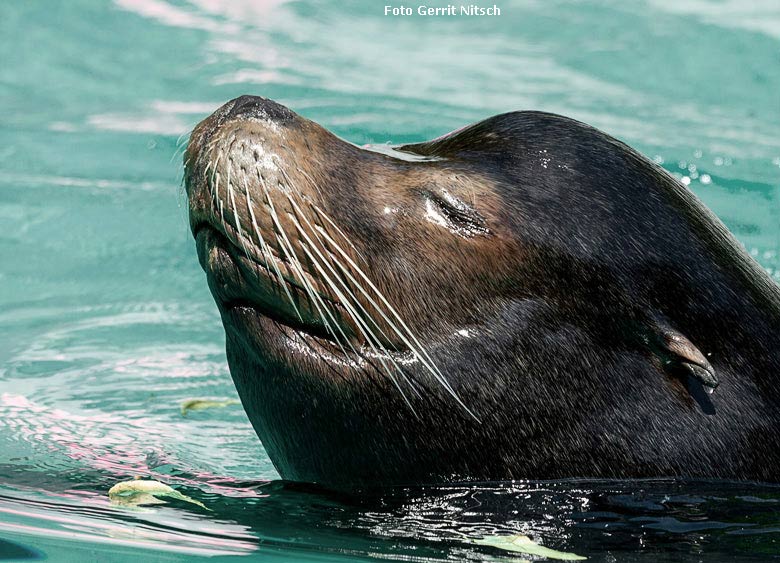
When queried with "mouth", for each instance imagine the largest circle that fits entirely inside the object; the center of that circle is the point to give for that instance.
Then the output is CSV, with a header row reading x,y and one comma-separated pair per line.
x,y
245,286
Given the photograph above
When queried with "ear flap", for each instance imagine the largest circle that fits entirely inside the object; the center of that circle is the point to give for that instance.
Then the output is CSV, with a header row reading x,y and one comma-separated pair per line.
x,y
676,351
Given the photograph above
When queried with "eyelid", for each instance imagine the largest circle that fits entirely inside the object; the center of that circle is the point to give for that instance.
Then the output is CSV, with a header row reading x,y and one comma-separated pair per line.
x,y
447,210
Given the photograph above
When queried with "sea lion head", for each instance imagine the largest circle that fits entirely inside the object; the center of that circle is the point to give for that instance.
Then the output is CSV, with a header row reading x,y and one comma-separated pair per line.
x,y
389,312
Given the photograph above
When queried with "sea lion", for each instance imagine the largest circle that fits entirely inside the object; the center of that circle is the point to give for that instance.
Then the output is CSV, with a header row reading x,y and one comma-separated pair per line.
x,y
526,297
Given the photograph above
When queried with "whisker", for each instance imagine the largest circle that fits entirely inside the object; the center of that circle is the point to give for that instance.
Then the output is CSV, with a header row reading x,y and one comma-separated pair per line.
x,y
410,339
380,296
275,219
327,262
176,153
267,252
183,138
219,200
216,165
370,337
314,297
342,298
212,143
236,218
215,186
321,306
350,301
310,179
298,226
322,213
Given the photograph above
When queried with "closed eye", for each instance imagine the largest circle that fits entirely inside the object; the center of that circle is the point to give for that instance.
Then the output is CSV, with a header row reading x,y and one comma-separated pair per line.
x,y
454,214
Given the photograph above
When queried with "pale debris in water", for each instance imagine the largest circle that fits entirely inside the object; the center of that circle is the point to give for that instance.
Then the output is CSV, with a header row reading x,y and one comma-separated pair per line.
x,y
142,491
524,544
200,404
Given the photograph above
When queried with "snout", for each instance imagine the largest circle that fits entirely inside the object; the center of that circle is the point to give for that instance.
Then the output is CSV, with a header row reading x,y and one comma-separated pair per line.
x,y
229,148
243,108
257,107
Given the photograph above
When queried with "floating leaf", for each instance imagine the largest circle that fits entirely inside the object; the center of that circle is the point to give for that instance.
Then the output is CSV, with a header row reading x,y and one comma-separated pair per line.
x,y
201,404
141,491
524,544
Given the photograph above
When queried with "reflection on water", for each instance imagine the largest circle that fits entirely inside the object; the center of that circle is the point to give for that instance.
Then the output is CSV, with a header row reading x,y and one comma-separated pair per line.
x,y
660,520
108,327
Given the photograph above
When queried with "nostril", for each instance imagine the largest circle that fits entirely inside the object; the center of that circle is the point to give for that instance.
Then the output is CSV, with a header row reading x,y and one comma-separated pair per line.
x,y
256,106
242,105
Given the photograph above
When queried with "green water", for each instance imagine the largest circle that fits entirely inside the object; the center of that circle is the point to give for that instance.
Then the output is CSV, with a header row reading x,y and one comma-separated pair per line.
x,y
107,323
